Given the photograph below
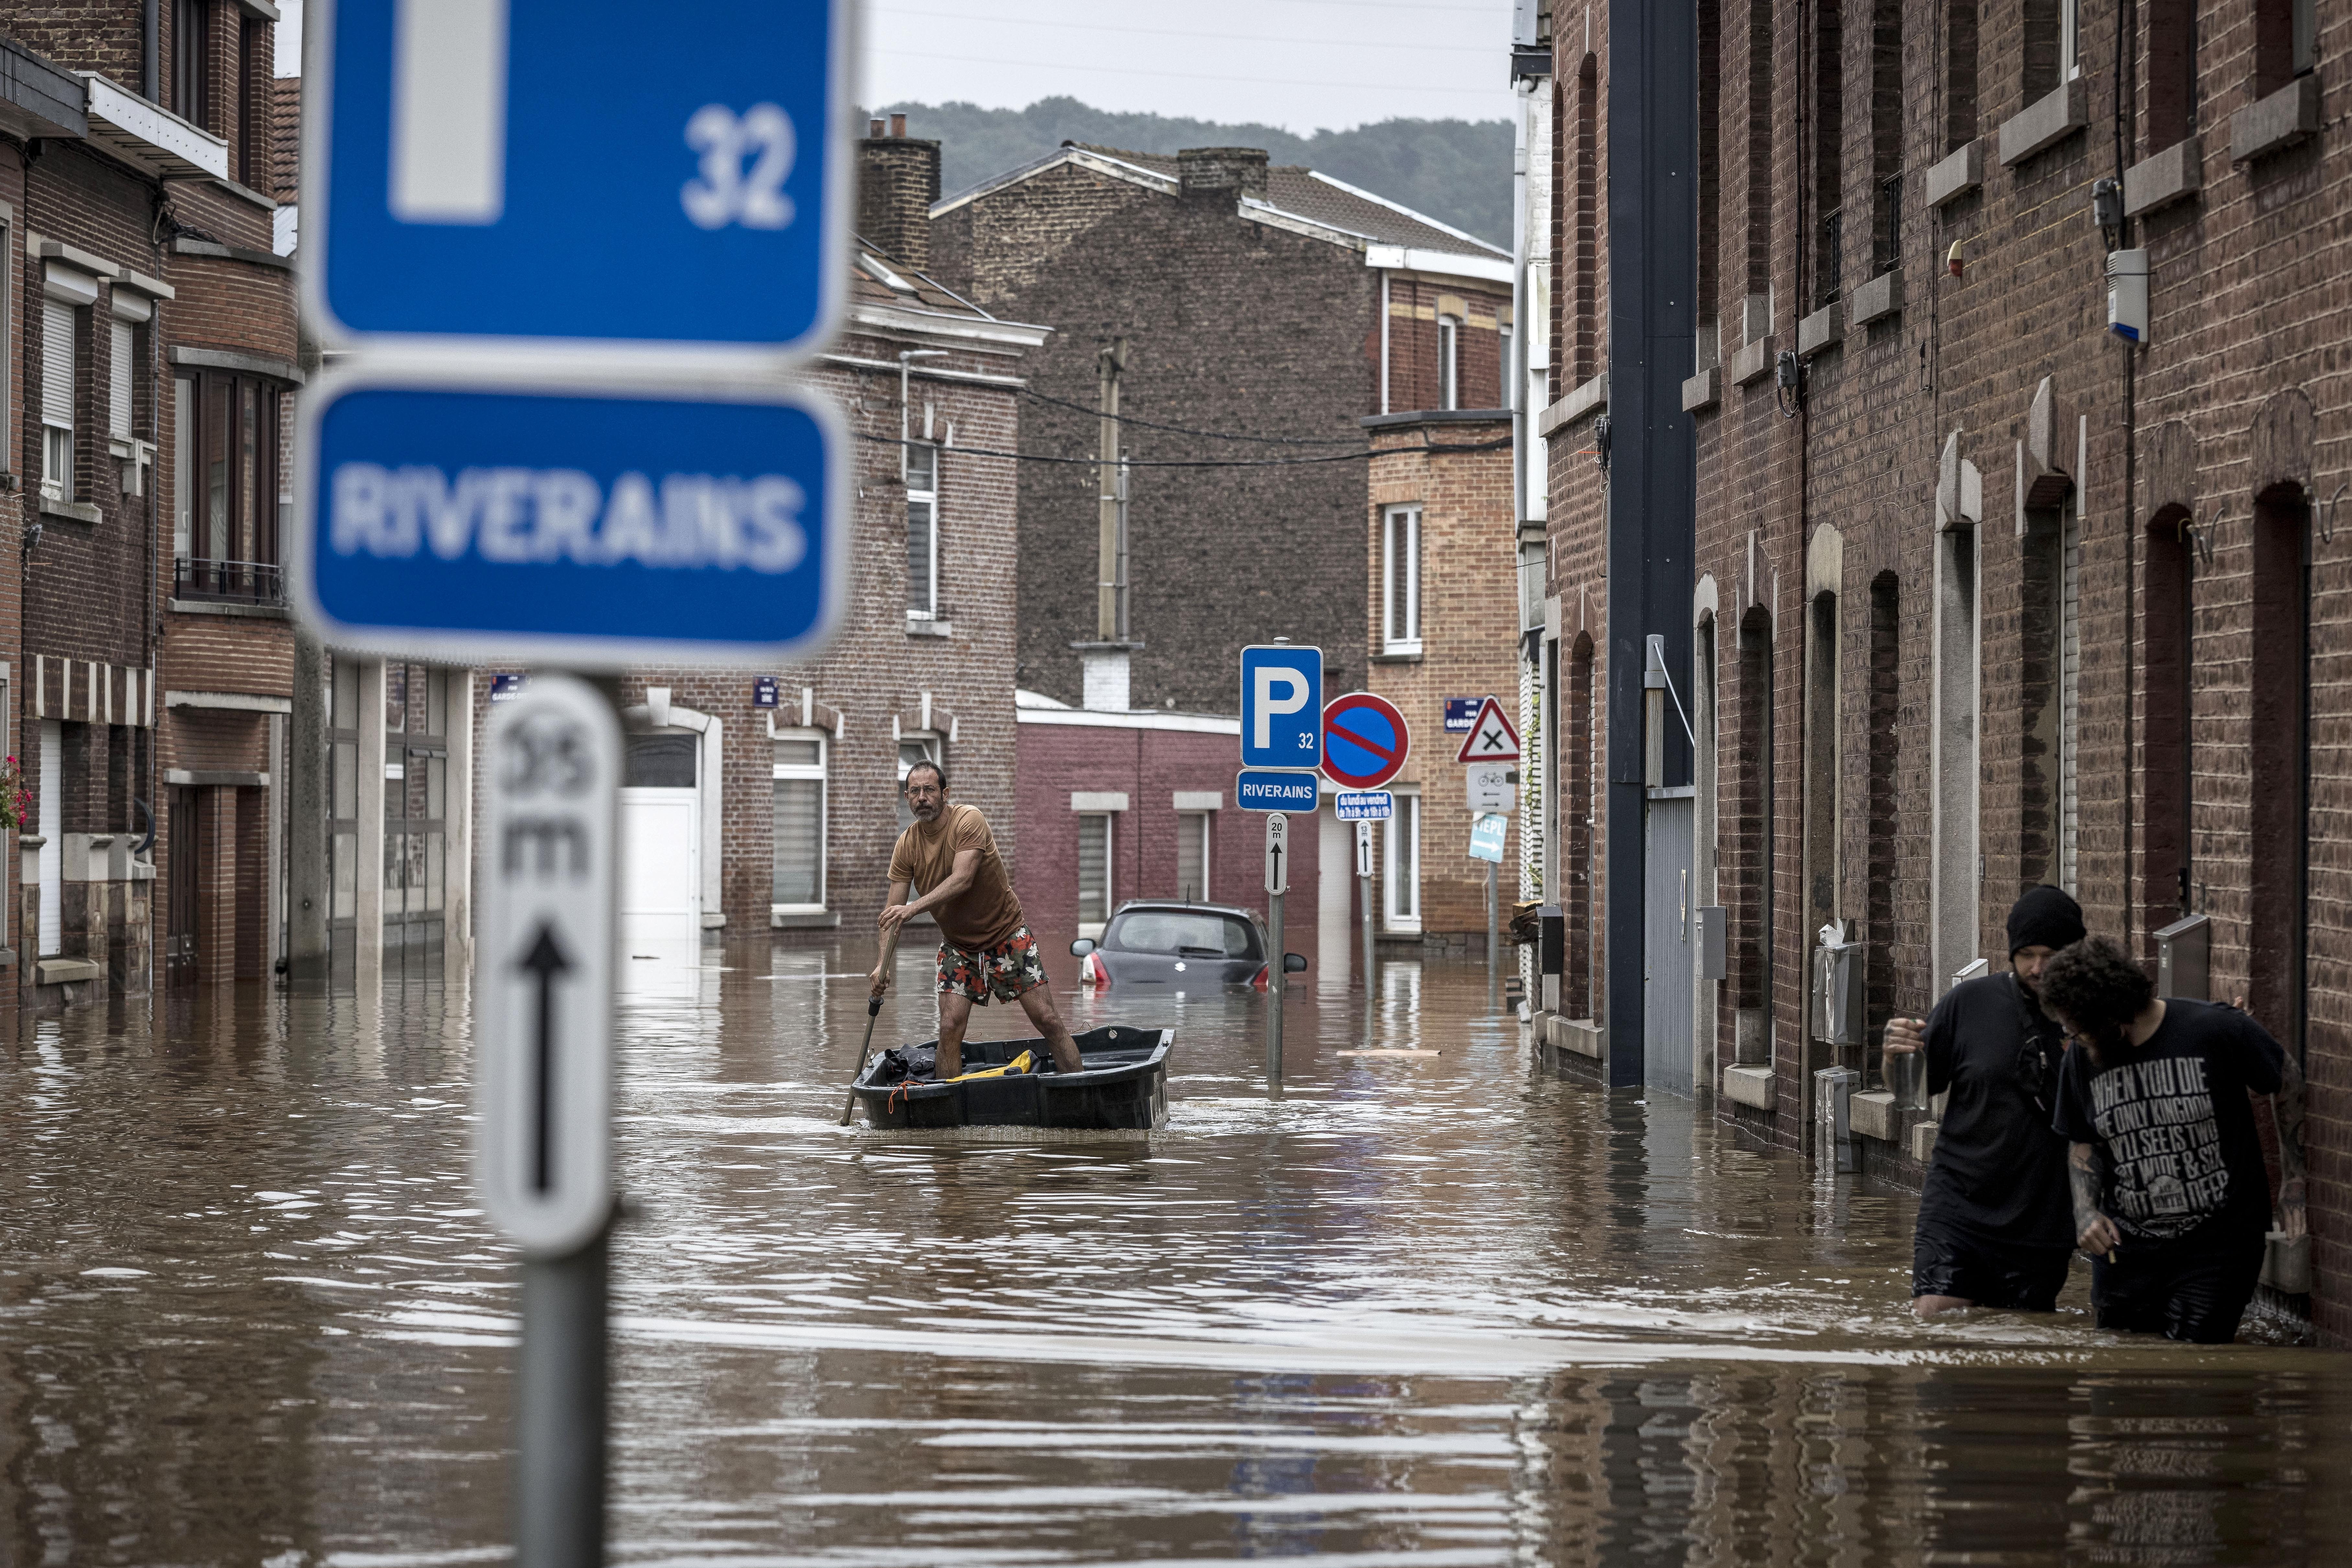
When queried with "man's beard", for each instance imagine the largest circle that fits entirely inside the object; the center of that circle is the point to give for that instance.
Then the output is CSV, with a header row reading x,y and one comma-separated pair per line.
x,y
928,812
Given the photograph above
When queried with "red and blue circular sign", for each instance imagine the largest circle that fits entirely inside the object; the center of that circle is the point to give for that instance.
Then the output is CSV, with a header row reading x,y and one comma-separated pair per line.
x,y
1365,740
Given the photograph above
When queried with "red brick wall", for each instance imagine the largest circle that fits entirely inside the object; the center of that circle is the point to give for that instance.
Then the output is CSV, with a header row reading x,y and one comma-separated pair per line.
x,y
1468,634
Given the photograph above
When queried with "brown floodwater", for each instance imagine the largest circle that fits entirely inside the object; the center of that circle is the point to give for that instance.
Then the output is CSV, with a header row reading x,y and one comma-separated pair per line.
x,y
1431,1311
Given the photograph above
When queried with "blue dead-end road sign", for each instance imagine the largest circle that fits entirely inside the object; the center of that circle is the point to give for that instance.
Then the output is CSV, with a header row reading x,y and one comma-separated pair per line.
x,y
568,525
1273,791
565,170
1282,707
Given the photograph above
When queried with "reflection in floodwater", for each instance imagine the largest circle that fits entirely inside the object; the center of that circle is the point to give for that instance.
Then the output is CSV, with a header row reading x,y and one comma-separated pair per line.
x,y
1436,1311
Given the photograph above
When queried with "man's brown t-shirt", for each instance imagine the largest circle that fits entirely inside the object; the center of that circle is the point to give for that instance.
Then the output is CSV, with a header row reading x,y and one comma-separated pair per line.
x,y
982,915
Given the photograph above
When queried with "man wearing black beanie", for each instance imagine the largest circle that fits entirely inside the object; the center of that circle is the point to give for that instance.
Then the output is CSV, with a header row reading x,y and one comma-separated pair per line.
x,y
1996,1219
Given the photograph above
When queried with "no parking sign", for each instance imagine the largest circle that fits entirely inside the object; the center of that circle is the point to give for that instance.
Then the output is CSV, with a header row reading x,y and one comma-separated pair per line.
x,y
1365,740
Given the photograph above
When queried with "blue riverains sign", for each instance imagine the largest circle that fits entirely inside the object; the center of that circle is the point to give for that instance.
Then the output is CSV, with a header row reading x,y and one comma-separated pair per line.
x,y
569,524
1256,790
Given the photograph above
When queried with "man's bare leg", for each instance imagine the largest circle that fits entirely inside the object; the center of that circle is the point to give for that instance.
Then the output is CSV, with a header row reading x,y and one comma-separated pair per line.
x,y
955,1012
1928,1306
1038,1002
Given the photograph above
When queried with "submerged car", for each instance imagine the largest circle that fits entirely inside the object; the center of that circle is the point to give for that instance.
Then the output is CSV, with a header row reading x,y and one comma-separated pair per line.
x,y
1181,946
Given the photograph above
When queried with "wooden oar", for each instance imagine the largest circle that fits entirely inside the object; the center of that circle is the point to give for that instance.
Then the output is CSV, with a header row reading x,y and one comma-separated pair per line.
x,y
873,1012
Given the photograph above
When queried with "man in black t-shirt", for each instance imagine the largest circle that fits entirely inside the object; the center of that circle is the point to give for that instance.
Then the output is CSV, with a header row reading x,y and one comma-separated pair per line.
x,y
2171,1199
1995,1227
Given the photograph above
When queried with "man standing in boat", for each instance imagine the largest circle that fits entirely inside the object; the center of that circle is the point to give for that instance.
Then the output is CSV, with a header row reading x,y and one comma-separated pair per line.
x,y
984,949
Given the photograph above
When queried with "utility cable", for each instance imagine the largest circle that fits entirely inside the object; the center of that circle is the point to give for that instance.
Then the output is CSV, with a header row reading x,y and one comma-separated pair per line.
x,y
1188,430
1097,462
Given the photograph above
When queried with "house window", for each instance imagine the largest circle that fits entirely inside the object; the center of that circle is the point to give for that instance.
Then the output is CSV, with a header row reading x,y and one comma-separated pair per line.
x,y
60,327
183,468
1449,362
2070,32
1400,580
1094,872
1192,832
799,781
1400,865
230,479
252,102
190,69
922,532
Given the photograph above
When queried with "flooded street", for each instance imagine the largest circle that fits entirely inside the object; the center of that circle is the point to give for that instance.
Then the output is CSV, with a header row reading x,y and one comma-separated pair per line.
x,y
1436,1310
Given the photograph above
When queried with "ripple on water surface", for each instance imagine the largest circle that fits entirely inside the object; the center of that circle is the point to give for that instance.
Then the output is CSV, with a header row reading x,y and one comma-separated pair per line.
x,y
1430,1310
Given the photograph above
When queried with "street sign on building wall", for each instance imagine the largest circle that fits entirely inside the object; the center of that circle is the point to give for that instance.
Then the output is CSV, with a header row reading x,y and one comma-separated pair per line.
x,y
594,526
559,172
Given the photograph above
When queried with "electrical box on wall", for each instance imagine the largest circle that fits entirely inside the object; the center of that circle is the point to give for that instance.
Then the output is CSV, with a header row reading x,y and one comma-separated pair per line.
x,y
2128,294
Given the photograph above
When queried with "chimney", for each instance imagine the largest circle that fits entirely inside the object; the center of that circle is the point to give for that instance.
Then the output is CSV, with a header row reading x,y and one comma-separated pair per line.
x,y
897,180
1225,174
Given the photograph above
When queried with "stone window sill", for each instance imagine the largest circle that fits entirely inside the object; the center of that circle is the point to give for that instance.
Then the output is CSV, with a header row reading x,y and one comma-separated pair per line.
x,y
2274,123
1588,398
1398,656
1703,390
201,607
1824,329
79,511
1956,174
1751,1087
919,627
2160,179
1876,300
1753,363
791,917
2042,124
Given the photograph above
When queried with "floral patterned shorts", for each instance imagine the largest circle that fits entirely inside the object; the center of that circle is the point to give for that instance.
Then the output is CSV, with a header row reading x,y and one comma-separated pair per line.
x,y
1005,971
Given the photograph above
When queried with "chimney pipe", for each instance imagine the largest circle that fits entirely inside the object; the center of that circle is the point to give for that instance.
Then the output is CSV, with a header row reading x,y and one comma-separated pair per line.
x,y
1224,172
874,129
897,180
897,125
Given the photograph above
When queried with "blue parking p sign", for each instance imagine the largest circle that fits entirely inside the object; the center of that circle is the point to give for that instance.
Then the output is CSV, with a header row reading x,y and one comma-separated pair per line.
x,y
559,172
1282,706
585,526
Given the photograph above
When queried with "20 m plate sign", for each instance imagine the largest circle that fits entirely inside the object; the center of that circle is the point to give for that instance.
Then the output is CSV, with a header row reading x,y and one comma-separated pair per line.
x,y
587,525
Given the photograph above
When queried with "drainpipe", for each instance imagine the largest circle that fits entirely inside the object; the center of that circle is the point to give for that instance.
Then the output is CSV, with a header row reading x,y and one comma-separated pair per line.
x,y
1519,324
1384,340
149,30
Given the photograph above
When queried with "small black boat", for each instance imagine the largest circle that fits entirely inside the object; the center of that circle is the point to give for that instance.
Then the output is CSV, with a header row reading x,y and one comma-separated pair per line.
x,y
1123,1088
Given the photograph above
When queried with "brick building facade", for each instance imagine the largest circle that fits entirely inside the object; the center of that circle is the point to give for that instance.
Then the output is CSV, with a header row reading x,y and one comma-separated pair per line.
x,y
1985,595
1265,311
797,806
154,339
1441,536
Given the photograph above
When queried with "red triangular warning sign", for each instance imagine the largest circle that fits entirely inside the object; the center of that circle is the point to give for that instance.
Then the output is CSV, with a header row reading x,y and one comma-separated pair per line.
x,y
1491,738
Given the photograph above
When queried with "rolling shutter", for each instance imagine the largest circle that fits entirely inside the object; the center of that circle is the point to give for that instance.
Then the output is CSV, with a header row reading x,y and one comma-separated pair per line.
x,y
118,389
800,842
57,364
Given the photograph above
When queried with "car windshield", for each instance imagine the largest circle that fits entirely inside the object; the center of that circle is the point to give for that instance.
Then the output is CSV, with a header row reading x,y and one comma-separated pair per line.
x,y
1181,931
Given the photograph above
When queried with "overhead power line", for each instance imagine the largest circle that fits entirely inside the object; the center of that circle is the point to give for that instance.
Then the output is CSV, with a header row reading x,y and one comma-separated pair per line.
x,y
1094,462
1188,430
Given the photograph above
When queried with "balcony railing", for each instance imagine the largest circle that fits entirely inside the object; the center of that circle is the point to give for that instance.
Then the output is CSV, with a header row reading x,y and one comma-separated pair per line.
x,y
228,582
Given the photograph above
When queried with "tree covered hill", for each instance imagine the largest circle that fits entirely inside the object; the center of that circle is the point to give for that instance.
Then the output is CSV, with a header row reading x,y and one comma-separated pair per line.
x,y
1458,171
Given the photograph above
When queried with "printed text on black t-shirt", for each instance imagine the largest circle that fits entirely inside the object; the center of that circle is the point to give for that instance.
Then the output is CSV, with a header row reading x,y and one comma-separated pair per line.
x,y
2157,1117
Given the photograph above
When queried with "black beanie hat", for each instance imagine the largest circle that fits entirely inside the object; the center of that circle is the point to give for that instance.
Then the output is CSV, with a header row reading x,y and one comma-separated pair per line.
x,y
2044,917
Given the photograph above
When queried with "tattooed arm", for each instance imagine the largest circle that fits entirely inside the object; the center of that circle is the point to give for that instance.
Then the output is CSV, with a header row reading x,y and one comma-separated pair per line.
x,y
2086,1171
2286,1110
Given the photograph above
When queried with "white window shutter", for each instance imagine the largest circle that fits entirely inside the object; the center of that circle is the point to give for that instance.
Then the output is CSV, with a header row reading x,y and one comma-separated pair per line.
x,y
57,364
118,392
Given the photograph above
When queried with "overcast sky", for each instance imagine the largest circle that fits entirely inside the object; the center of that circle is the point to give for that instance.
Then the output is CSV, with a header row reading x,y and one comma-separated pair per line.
x,y
1303,64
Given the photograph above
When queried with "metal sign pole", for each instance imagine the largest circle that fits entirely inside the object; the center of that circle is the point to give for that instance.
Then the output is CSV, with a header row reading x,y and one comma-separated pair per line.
x,y
1277,882
543,1085
1364,896
1494,945
560,1411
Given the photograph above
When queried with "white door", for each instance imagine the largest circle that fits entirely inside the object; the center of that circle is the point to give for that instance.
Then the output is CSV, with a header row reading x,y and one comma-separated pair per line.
x,y
661,886
1335,885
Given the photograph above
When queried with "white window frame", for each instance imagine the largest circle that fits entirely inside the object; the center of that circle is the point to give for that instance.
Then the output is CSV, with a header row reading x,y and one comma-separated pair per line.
x,y
57,435
1109,827
928,500
1449,362
818,772
1401,521
183,468
2070,37
1208,825
1395,878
